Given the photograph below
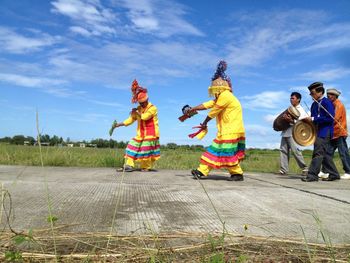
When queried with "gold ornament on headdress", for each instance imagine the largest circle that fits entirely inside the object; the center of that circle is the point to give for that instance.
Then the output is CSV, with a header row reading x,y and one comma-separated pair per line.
x,y
217,86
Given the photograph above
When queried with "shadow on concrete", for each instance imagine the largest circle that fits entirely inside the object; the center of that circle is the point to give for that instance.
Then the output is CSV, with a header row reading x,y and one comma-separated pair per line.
x,y
290,177
214,177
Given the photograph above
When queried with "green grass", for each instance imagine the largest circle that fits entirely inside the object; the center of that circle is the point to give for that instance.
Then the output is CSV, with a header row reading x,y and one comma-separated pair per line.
x,y
255,161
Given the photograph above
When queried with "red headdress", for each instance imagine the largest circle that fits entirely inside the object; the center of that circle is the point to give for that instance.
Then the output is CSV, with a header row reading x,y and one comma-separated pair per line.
x,y
139,94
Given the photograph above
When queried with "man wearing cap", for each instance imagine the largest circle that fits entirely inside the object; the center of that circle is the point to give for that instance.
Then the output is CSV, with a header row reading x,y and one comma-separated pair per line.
x,y
340,133
322,114
144,147
287,142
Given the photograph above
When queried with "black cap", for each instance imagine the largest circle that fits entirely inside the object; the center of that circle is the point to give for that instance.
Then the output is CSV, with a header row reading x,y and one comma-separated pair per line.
x,y
315,85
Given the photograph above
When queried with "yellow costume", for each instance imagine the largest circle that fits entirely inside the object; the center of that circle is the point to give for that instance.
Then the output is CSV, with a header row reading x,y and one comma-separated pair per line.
x,y
227,149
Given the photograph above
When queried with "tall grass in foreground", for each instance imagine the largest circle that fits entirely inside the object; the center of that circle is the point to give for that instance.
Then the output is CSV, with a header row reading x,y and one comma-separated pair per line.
x,y
255,161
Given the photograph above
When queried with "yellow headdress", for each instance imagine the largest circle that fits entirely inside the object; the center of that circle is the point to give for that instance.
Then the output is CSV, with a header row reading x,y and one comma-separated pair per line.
x,y
220,81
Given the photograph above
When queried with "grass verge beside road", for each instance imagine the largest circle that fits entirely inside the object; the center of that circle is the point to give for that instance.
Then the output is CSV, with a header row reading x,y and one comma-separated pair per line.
x,y
256,160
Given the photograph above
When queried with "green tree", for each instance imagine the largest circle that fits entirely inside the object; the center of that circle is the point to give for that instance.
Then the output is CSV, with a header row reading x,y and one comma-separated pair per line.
x,y
45,138
171,146
6,139
18,139
55,140
31,140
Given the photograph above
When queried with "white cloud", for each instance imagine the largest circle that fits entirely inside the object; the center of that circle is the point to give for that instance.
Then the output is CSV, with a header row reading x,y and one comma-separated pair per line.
x,y
26,81
257,130
262,136
270,118
105,103
92,18
157,17
161,18
147,23
265,100
326,74
114,64
80,30
328,37
89,118
255,38
48,85
13,42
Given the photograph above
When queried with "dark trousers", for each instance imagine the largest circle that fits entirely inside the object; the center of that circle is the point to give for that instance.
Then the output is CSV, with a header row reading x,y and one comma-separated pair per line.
x,y
341,145
320,157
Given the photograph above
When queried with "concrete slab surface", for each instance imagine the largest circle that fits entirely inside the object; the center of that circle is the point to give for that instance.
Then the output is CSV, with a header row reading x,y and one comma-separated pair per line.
x,y
87,200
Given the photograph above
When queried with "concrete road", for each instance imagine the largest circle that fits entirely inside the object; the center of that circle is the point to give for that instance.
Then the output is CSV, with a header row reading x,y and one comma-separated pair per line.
x,y
87,200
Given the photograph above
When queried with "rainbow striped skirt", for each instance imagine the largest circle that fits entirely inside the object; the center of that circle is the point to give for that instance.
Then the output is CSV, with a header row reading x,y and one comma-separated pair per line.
x,y
224,153
143,149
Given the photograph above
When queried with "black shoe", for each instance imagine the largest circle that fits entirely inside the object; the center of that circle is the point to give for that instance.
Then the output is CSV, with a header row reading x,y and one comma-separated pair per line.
x,y
197,174
236,177
330,179
309,179
128,168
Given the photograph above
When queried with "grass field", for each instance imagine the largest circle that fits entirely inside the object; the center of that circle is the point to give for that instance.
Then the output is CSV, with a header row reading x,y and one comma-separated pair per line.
x,y
256,160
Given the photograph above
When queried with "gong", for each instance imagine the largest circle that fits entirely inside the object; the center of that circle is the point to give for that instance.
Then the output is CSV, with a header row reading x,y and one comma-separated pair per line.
x,y
304,132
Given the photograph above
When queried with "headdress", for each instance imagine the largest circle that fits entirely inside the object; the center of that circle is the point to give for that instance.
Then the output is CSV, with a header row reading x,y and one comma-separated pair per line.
x,y
139,94
220,81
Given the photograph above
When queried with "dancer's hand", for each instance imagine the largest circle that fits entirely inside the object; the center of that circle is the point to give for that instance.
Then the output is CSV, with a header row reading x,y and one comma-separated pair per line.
x,y
115,124
204,125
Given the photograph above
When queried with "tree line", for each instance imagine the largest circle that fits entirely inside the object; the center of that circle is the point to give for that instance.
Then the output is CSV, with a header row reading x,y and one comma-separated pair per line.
x,y
54,140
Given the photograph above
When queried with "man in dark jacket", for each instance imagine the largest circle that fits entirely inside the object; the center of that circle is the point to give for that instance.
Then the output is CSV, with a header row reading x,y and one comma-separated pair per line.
x,y
322,114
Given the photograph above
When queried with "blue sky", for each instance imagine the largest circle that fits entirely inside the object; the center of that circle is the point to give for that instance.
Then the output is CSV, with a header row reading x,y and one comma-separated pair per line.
x,y
74,61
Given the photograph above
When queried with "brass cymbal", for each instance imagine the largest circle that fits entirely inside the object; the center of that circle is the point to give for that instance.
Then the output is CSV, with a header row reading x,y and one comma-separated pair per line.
x,y
304,133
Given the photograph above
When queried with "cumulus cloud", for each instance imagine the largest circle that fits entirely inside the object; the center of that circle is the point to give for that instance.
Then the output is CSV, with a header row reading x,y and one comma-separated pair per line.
x,y
265,100
17,43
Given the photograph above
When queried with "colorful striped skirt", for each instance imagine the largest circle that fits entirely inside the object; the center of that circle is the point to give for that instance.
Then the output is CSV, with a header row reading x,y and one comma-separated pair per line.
x,y
224,153
143,149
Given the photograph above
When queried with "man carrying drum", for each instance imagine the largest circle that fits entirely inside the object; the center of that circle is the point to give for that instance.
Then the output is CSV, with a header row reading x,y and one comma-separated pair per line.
x,y
287,142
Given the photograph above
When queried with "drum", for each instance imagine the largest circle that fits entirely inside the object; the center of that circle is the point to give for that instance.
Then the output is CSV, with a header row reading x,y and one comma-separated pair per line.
x,y
280,124
304,133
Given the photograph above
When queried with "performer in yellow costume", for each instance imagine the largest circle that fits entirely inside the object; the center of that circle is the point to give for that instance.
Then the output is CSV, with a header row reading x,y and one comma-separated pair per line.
x,y
227,149
144,147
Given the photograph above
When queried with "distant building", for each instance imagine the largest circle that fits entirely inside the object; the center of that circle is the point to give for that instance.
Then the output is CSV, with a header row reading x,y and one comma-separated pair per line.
x,y
82,145
26,143
42,144
70,145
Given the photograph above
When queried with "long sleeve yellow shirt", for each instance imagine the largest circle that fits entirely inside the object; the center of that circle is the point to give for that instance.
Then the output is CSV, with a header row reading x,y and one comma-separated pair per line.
x,y
228,113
